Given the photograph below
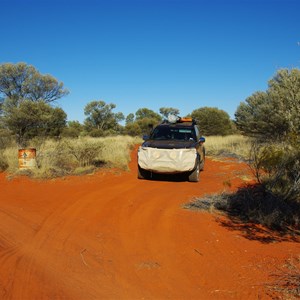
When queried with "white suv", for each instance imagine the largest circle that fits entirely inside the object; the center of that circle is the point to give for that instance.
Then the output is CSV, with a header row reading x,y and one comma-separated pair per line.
x,y
174,146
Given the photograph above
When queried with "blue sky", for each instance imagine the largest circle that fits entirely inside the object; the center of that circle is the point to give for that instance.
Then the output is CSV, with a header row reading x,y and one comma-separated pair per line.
x,y
184,54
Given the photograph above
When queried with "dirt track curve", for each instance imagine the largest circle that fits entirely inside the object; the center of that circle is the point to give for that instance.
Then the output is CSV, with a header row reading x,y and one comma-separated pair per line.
x,y
112,236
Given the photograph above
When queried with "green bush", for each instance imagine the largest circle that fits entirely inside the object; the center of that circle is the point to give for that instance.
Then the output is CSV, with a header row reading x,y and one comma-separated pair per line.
x,y
273,114
213,121
277,166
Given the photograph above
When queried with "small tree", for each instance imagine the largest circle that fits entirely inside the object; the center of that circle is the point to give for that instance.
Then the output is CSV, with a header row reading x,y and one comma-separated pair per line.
x,y
143,113
100,117
73,129
212,121
129,119
30,119
133,129
142,122
24,94
147,124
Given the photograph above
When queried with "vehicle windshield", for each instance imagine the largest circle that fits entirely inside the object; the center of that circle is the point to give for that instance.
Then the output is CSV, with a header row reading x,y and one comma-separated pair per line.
x,y
173,133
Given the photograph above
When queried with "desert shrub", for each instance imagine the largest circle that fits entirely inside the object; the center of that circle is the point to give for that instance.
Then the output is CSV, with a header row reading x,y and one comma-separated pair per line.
x,y
133,129
83,151
70,133
10,157
65,156
259,205
277,167
6,141
96,133
230,145
74,129
6,138
116,150
253,204
212,121
3,161
287,280
282,98
60,157
275,200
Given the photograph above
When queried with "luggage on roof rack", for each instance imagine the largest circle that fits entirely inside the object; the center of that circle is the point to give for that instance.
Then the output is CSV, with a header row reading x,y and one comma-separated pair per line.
x,y
181,120
176,119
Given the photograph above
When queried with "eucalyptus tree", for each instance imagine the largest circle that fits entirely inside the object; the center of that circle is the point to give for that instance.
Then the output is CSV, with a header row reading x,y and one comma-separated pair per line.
x,y
19,82
25,97
146,113
30,119
129,119
100,116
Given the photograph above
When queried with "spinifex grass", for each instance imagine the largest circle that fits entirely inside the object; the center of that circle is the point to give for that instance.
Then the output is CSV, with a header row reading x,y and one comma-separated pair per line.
x,y
73,156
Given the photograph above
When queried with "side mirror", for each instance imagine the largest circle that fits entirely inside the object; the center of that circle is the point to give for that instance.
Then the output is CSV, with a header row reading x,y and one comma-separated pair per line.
x,y
145,137
202,140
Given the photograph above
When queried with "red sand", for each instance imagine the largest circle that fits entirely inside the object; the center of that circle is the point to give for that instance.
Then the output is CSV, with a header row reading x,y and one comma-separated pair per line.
x,y
112,236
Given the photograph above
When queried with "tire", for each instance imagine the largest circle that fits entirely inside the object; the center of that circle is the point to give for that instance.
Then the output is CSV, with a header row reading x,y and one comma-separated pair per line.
x,y
142,174
194,176
202,165
203,159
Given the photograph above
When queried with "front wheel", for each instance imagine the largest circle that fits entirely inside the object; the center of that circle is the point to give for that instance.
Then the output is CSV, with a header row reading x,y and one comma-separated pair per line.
x,y
202,165
194,176
202,157
142,174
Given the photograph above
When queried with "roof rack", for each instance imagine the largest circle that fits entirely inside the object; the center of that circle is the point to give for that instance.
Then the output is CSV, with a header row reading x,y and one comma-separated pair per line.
x,y
176,119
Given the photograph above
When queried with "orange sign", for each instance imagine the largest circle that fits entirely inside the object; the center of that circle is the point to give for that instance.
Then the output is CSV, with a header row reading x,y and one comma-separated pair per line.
x,y
26,158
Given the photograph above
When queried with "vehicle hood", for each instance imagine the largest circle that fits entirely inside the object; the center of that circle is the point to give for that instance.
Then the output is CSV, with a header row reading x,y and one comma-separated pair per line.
x,y
169,144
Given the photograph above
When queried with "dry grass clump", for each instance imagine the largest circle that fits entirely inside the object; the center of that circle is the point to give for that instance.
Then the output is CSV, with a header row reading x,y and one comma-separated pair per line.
x,y
253,204
116,150
228,146
206,203
275,201
3,161
9,158
287,280
6,141
69,156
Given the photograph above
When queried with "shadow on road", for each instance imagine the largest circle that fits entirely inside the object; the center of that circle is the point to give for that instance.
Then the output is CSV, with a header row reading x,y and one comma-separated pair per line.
x,y
257,232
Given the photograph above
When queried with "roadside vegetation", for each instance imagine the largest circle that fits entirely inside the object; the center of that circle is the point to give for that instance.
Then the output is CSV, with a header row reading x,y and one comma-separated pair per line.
x,y
235,146
286,280
273,145
269,210
69,156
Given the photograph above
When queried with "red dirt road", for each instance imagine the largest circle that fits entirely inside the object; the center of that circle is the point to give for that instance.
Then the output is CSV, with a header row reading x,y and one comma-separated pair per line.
x,y
112,236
